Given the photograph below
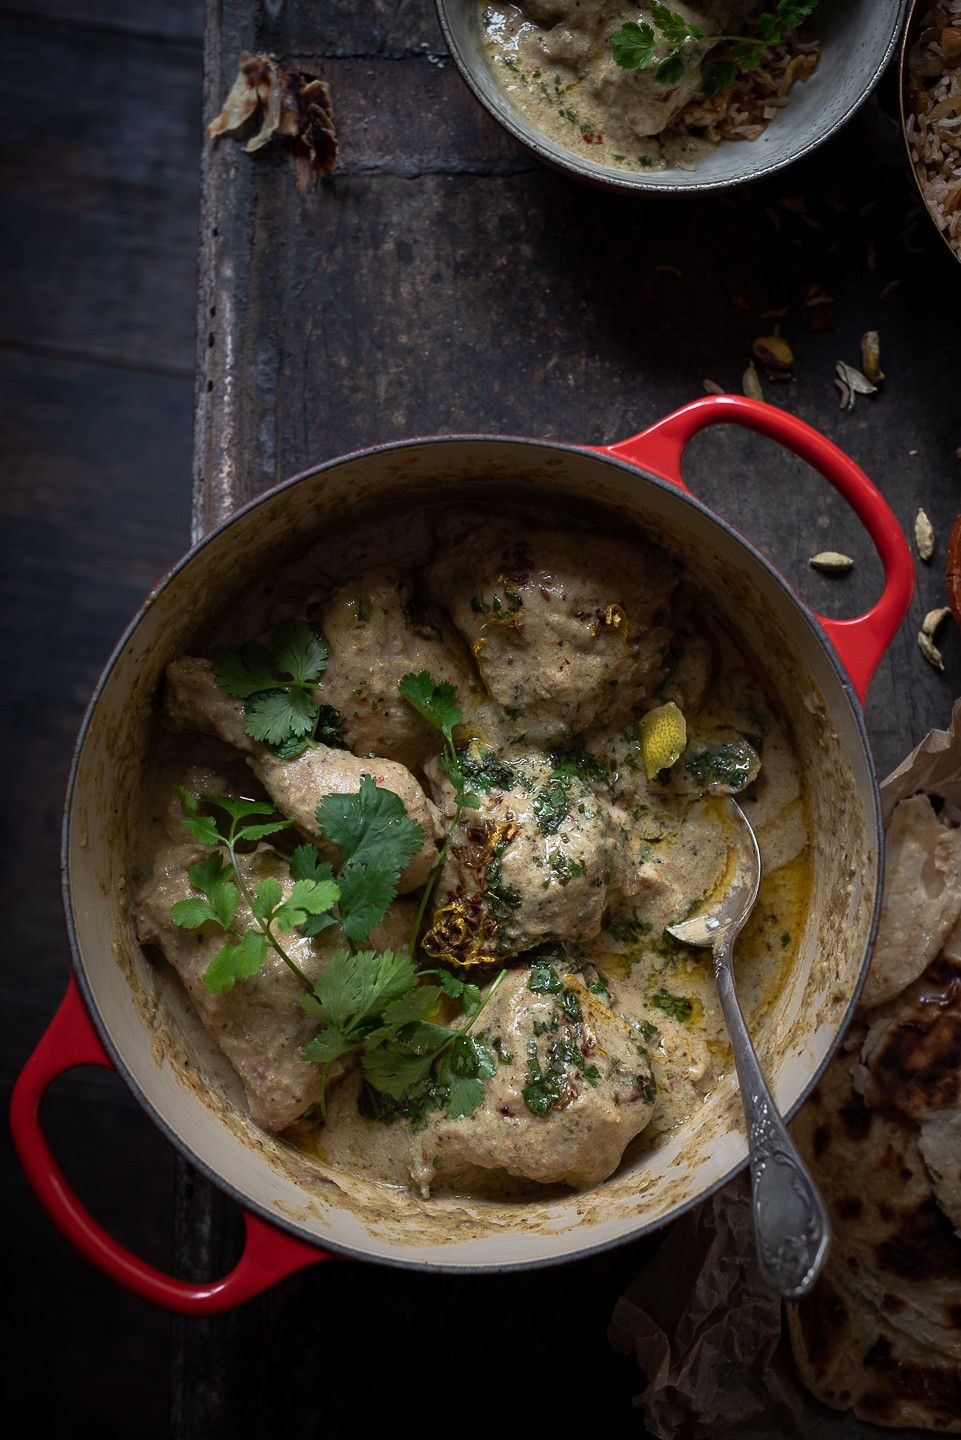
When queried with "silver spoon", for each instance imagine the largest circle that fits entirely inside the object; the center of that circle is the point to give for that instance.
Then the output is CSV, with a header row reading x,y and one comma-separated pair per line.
x,y
790,1222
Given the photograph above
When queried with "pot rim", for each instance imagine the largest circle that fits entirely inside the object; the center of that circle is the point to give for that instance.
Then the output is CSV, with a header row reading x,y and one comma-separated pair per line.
x,y
871,798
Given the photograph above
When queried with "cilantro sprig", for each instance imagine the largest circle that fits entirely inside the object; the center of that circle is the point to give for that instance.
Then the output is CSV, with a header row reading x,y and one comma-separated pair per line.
x,y
669,41
278,687
220,884
375,1002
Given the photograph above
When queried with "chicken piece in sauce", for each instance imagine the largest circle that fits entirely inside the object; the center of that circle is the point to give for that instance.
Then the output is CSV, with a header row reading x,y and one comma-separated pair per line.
x,y
195,701
573,1085
378,630
565,635
259,1024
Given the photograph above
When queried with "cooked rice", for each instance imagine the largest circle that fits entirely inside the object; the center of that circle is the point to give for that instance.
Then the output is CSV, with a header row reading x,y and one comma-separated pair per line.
x,y
933,121
745,111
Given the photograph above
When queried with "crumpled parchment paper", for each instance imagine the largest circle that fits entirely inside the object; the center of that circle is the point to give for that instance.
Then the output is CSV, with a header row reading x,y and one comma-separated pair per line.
x,y
706,1331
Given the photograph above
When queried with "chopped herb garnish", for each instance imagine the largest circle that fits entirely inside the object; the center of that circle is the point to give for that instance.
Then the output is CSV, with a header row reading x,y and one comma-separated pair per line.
x,y
673,43
677,1006
375,1002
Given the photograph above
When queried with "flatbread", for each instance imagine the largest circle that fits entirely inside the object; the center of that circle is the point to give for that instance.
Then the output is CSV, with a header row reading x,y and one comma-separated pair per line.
x,y
921,897
880,1334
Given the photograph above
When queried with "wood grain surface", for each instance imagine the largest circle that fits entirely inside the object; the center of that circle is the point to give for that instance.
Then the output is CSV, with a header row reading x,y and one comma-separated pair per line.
x,y
442,281
439,281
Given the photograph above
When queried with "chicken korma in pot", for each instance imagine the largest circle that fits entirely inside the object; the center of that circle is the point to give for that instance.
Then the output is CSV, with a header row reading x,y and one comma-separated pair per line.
x,y
423,808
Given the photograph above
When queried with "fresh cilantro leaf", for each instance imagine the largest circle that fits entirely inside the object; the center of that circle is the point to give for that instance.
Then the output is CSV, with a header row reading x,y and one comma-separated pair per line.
x,y
236,962
328,1044
393,1070
353,990
278,687
366,892
370,826
419,1003
437,703
212,878
465,1095
670,71
191,914
635,46
673,26
299,652
717,76
306,864
276,716
245,671
308,900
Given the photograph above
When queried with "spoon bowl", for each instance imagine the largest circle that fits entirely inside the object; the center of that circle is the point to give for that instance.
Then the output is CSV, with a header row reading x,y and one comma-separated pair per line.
x,y
790,1221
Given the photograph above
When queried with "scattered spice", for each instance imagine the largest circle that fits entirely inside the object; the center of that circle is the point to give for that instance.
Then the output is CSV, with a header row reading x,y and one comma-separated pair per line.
x,y
871,356
751,383
923,535
774,352
930,651
934,619
815,305
291,106
851,382
831,562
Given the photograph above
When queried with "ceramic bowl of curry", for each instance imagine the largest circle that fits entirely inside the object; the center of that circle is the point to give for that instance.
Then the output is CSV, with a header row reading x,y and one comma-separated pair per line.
x,y
307,1191
609,94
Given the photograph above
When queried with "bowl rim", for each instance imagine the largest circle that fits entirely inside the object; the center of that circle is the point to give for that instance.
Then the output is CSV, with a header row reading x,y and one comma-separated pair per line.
x,y
606,176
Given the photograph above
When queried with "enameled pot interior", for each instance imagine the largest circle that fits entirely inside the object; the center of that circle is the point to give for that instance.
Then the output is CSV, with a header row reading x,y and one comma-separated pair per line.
x,y
858,39
150,1029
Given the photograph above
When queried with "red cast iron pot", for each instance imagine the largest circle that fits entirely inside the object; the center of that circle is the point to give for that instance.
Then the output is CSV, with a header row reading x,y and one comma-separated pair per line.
x,y
124,1010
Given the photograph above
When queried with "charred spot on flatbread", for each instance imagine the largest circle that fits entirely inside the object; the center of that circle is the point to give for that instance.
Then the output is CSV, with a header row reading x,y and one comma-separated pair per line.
x,y
912,1052
879,1334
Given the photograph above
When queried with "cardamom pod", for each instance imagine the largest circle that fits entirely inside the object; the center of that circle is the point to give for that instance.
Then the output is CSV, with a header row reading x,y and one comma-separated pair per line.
x,y
923,535
930,651
932,621
831,562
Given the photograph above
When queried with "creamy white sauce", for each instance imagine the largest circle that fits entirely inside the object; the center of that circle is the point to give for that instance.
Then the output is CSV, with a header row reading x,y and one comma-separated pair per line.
x,y
554,62
665,857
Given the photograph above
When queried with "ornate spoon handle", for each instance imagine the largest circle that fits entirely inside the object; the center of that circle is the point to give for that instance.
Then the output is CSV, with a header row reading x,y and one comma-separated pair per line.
x,y
790,1221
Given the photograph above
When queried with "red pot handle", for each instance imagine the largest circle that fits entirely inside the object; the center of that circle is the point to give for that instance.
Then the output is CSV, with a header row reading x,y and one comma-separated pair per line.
x,y
862,641
268,1255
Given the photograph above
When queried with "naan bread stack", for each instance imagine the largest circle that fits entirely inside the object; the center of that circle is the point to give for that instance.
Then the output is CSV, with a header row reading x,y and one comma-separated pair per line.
x,y
880,1334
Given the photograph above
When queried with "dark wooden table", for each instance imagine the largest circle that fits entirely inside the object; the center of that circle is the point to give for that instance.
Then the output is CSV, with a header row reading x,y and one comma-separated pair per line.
x,y
440,281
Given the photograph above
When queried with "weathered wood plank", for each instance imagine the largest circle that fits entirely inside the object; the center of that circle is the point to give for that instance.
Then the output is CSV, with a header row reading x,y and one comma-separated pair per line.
x,y
440,281
159,19
100,215
94,508
437,266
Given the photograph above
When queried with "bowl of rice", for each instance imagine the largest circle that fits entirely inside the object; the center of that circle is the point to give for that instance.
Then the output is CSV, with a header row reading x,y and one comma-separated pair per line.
x,y
683,97
931,111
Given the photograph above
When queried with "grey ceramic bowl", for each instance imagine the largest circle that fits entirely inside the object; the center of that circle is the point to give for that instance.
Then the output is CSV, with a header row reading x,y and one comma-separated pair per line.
x,y
858,38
